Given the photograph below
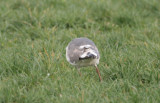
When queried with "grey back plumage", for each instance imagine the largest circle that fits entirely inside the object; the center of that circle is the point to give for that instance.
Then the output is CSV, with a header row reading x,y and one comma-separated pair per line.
x,y
73,50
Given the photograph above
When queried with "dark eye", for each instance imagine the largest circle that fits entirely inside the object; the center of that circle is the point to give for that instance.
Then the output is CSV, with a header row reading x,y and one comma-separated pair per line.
x,y
85,49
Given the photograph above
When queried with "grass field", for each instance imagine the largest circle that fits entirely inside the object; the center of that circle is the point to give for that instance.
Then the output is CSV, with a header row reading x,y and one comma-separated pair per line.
x,y
34,34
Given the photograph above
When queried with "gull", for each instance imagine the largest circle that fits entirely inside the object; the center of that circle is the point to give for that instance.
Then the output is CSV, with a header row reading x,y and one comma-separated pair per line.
x,y
82,52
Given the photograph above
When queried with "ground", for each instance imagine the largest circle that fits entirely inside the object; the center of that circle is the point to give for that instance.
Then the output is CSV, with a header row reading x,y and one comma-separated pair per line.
x,y
35,33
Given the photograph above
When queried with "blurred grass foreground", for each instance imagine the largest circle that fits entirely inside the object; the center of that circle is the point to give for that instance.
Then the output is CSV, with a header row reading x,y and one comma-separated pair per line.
x,y
34,34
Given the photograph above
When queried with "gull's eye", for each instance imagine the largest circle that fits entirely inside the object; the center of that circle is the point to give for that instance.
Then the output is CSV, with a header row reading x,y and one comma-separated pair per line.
x,y
86,49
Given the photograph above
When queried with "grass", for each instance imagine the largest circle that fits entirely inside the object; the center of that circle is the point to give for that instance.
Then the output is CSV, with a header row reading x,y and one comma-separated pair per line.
x,y
33,37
